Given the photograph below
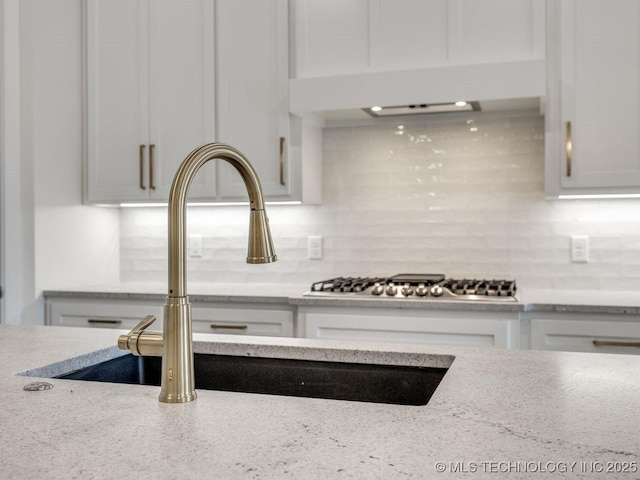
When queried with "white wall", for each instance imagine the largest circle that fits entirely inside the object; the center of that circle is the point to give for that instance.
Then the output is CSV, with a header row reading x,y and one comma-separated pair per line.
x,y
69,244
462,196
13,257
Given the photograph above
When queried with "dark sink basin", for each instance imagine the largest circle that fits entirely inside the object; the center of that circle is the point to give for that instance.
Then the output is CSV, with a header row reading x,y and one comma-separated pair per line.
x,y
403,385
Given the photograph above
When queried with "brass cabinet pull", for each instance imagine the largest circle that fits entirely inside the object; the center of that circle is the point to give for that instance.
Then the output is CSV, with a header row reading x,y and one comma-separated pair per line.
x,y
104,321
229,327
142,185
611,343
569,148
281,160
152,149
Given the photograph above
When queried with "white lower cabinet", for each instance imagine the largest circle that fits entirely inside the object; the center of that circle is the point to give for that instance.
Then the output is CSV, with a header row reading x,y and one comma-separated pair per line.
x,y
249,319
435,327
586,333
570,332
220,318
100,314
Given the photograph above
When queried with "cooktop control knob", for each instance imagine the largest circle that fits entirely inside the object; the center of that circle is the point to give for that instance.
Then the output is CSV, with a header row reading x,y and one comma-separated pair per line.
x,y
437,291
407,291
421,290
377,289
392,290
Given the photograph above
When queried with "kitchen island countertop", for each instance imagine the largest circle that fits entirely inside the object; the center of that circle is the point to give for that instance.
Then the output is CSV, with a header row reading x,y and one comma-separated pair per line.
x,y
496,413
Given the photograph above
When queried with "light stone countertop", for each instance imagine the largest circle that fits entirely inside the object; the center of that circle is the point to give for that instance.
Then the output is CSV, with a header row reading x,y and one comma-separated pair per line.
x,y
496,410
529,300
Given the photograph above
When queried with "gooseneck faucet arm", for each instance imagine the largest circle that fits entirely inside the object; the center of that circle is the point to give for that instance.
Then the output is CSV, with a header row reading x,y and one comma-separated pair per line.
x,y
260,248
175,344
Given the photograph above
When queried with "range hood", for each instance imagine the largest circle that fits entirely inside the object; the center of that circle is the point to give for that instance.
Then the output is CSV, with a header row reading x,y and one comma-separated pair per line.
x,y
363,116
496,86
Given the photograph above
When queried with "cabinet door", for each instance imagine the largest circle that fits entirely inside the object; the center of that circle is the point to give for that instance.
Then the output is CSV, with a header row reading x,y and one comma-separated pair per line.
x,y
574,335
182,89
116,100
252,67
342,37
594,97
150,97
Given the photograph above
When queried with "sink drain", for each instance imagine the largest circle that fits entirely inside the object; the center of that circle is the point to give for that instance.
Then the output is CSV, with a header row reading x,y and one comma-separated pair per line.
x,y
37,386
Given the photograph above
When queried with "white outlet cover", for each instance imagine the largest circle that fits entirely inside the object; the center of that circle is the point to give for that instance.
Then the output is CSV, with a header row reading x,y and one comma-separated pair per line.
x,y
579,248
314,247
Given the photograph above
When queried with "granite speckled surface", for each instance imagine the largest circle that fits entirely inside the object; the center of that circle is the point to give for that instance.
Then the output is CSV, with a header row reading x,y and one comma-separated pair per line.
x,y
495,410
230,293
566,301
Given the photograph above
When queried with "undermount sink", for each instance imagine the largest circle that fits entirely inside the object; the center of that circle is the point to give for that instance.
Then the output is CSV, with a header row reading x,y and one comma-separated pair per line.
x,y
393,384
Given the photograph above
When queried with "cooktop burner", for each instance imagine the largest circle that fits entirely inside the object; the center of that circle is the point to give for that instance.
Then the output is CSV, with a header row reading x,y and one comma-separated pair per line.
x,y
417,286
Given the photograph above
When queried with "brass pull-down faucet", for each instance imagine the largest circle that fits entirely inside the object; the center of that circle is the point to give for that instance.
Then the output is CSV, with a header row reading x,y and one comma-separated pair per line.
x,y
175,344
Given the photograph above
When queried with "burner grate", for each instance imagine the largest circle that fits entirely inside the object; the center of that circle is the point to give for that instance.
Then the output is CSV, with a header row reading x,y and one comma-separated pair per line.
x,y
415,286
346,284
491,288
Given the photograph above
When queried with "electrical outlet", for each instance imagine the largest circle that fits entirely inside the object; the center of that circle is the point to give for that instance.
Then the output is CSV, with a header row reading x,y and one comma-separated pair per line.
x,y
579,248
314,247
194,245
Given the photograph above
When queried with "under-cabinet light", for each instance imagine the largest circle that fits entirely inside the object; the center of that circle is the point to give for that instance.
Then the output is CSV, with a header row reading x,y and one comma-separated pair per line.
x,y
142,205
205,204
598,196
423,108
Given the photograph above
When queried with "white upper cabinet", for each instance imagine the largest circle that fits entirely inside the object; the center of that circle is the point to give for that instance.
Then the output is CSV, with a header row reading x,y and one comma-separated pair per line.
x,y
252,64
149,96
252,106
593,111
336,37
164,77
356,53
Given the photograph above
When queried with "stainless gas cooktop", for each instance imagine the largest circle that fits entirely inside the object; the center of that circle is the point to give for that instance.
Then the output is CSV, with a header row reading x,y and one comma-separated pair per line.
x,y
417,286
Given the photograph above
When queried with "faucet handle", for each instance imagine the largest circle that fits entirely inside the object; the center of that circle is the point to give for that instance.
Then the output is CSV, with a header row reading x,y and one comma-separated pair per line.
x,y
130,340
144,323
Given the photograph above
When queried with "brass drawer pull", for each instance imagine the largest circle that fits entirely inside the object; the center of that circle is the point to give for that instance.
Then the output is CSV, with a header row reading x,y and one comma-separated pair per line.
x,y
216,326
569,148
281,160
142,185
104,321
611,343
152,148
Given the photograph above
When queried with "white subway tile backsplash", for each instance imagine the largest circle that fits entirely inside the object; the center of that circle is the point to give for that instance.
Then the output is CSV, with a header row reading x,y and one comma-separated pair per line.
x,y
463,197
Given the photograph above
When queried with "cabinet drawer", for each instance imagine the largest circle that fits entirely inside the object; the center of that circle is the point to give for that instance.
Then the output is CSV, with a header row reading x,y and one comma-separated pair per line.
x,y
101,315
241,321
478,329
579,336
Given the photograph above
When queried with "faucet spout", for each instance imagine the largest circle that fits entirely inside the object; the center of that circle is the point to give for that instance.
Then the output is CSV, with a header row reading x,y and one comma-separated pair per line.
x,y
175,342
260,248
